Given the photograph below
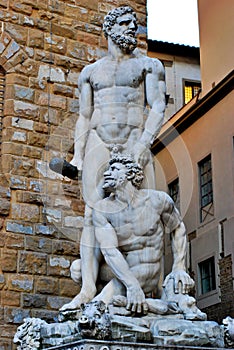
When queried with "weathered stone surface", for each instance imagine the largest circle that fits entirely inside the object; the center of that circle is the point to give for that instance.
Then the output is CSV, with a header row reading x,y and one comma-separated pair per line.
x,y
9,260
36,61
47,285
34,300
38,244
36,38
15,315
10,298
65,248
20,282
68,288
25,212
59,266
22,123
14,241
34,263
17,32
19,228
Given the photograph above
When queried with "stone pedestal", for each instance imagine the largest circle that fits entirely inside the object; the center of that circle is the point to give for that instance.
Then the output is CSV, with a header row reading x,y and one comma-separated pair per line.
x,y
112,345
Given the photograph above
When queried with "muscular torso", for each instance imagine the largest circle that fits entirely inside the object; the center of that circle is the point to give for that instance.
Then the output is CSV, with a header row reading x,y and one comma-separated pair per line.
x,y
140,229
118,97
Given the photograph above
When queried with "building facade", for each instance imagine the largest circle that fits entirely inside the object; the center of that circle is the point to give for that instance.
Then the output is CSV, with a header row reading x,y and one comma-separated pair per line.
x,y
44,45
194,159
182,72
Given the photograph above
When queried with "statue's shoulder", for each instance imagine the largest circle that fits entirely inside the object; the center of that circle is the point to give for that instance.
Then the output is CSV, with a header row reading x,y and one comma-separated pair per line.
x,y
87,71
103,205
160,198
151,64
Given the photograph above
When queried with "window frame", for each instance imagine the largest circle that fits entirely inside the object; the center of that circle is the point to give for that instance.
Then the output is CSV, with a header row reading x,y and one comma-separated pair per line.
x,y
176,200
205,208
211,277
193,83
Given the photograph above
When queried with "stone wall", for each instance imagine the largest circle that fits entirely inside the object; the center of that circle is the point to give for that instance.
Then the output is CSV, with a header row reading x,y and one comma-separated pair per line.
x,y
43,46
225,308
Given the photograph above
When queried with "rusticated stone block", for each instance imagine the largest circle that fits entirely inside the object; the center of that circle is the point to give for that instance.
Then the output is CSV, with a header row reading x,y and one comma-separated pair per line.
x,y
36,38
37,140
47,285
12,226
24,109
17,32
28,68
63,90
63,31
18,79
15,315
34,263
7,331
59,266
34,300
41,128
10,51
4,3
20,93
12,148
10,298
53,100
32,152
56,44
57,302
14,241
29,197
23,167
22,123
25,212
4,206
53,116
19,136
17,182
76,50
65,248
20,283
46,315
9,260
36,186
5,344
68,288
38,244
46,230
90,39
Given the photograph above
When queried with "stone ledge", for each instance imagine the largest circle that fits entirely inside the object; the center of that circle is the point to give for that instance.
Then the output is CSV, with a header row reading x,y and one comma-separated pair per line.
x,y
113,345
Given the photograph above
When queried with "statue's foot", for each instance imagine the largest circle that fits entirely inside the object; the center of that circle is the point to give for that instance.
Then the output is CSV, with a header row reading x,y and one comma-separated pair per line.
x,y
81,298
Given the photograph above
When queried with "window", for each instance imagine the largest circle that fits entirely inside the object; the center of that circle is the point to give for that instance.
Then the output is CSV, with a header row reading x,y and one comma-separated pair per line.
x,y
206,189
191,89
207,275
174,192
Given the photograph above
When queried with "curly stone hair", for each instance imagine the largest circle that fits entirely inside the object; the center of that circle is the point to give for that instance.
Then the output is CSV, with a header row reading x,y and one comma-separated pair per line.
x,y
134,173
110,18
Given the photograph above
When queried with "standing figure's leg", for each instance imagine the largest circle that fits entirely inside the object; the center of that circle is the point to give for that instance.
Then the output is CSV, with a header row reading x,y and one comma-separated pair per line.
x,y
95,163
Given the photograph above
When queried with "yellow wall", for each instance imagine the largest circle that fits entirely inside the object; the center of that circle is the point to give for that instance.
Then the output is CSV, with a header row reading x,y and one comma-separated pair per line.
x,y
216,27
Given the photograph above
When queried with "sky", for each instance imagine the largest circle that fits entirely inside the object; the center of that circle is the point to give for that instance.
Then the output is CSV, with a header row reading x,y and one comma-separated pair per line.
x,y
173,21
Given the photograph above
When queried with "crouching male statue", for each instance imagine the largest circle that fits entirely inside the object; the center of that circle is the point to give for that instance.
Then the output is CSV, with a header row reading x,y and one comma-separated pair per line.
x,y
129,228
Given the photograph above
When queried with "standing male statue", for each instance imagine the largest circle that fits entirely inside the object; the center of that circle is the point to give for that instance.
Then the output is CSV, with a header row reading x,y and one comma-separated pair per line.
x,y
122,103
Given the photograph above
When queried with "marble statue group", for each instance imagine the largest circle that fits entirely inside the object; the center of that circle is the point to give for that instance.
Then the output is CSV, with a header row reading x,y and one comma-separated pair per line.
x,y
122,103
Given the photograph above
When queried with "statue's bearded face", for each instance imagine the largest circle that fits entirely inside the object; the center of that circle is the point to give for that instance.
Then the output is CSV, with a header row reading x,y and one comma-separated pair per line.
x,y
115,176
123,33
